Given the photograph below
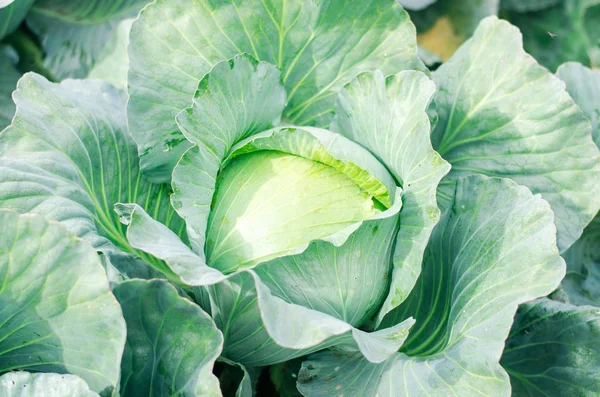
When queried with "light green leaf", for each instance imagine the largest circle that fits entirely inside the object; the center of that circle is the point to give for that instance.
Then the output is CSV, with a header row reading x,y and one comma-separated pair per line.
x,y
281,202
246,387
8,83
24,384
331,149
236,99
174,43
12,14
493,249
583,84
171,343
298,327
554,350
318,187
57,313
71,49
387,117
68,156
235,307
527,5
581,286
121,266
566,32
501,114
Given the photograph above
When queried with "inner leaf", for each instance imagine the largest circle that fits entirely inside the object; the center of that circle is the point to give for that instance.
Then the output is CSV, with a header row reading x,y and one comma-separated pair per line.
x,y
328,148
269,204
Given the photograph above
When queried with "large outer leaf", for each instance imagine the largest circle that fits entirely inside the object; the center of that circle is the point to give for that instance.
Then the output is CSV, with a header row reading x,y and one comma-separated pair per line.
x,y
57,313
12,15
493,249
554,350
171,343
566,32
501,114
387,117
78,35
318,45
8,82
24,384
68,156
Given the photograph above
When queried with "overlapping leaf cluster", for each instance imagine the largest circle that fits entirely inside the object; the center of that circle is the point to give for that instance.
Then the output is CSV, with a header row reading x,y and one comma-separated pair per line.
x,y
206,198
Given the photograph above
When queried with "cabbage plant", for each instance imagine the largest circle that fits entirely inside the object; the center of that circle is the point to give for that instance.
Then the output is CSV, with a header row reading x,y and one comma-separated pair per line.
x,y
282,181
309,202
